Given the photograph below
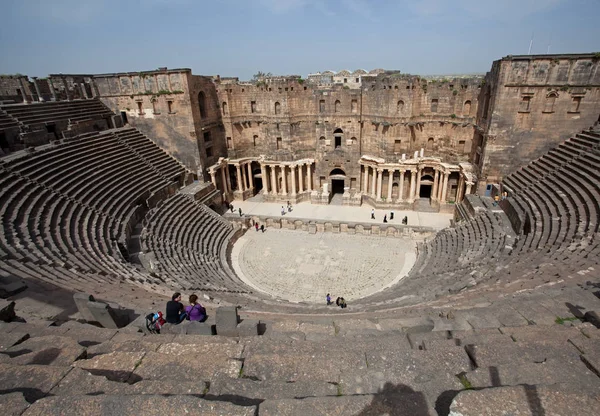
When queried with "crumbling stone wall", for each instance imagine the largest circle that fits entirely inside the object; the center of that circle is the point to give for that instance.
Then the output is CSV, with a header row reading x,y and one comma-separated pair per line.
x,y
534,103
158,103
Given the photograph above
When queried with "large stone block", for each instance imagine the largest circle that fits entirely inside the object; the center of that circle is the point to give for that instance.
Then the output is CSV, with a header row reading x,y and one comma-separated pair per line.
x,y
108,316
227,320
81,301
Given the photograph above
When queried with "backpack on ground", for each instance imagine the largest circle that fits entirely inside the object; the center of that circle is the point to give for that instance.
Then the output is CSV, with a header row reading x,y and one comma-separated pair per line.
x,y
154,321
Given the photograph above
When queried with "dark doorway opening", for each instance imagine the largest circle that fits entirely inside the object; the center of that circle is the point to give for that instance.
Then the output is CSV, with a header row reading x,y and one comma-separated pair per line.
x,y
337,186
258,183
3,142
338,142
51,128
425,191
124,117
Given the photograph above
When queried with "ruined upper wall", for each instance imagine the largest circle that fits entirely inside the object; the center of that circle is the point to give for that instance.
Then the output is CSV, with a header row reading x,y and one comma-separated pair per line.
x,y
532,103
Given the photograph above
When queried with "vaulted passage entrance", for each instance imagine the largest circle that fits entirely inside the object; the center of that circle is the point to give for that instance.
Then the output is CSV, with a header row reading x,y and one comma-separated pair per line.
x,y
426,186
337,186
338,180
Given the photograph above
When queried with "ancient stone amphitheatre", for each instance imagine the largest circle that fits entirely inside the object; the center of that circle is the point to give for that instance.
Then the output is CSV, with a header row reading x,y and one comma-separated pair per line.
x,y
129,186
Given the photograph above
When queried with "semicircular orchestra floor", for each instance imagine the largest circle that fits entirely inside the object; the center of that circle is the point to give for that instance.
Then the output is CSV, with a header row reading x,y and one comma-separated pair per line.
x,y
302,267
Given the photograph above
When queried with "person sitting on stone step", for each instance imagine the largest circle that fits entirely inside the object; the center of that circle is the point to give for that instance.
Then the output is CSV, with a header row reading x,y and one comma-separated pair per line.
x,y
195,311
175,312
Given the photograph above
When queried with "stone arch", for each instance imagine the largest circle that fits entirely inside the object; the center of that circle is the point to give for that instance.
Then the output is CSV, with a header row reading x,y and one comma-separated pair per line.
x,y
400,107
337,171
550,101
467,108
202,104
338,105
338,135
430,143
277,108
224,107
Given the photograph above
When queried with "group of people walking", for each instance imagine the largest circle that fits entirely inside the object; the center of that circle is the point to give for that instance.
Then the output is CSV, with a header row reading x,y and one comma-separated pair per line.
x,y
385,217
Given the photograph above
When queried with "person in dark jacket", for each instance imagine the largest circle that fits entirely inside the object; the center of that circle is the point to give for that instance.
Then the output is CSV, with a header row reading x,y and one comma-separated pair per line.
x,y
175,312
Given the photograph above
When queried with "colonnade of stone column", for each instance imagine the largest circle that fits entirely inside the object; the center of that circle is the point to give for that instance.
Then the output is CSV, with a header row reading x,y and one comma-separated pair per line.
x,y
291,171
439,188
225,181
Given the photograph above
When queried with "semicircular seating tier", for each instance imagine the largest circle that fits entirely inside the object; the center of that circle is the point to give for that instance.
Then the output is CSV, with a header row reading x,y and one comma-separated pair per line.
x,y
553,208
67,208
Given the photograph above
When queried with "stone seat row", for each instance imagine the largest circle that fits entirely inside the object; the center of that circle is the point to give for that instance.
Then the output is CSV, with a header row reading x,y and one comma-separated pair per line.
x,y
54,111
62,223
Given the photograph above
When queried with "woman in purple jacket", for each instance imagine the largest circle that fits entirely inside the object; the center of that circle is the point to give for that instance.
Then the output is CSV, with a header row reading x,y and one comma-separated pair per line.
x,y
195,311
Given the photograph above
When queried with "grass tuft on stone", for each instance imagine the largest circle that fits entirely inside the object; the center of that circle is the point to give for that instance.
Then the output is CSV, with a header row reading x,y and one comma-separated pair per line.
x,y
561,321
462,377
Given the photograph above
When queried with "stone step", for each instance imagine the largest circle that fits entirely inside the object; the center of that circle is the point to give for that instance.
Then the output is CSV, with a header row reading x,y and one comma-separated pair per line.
x,y
142,404
527,400
392,400
34,381
46,350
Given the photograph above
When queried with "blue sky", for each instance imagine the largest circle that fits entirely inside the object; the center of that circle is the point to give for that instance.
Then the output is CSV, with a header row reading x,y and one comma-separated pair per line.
x,y
241,37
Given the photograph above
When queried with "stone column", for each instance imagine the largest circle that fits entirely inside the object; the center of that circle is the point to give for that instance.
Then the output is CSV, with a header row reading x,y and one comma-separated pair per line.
x,y
37,90
67,92
418,186
265,179
413,180
365,180
213,179
273,180
250,178
83,91
284,179
390,184
239,178
309,172
436,178
459,189
227,178
300,178
401,192
440,186
23,94
223,180
445,188
52,90
293,171
468,191
374,184
379,183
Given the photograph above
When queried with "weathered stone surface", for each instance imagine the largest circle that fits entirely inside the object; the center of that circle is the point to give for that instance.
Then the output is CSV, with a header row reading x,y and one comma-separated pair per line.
x,y
34,381
227,321
524,400
13,404
203,361
225,387
10,339
142,404
490,355
593,317
81,301
408,325
47,350
248,328
392,400
551,371
558,333
115,366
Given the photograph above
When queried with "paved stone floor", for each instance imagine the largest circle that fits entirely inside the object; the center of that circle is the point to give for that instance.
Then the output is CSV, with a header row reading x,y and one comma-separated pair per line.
x,y
255,206
302,267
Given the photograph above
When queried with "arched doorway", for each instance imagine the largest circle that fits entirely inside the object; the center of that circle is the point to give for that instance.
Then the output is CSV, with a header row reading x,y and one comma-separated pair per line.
x,y
338,180
338,135
426,186
258,180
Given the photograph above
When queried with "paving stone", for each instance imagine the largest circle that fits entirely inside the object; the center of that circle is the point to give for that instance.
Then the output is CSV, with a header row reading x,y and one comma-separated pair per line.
x,y
508,316
227,320
13,404
524,400
418,340
590,351
479,318
139,405
34,381
535,313
455,324
393,400
482,337
87,335
46,350
115,366
185,362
